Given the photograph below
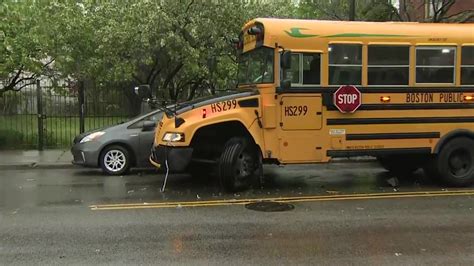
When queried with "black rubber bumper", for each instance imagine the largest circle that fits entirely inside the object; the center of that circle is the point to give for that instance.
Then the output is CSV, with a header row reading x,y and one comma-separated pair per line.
x,y
178,158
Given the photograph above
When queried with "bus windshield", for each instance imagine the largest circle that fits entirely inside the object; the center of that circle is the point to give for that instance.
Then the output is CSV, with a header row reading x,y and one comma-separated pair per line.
x,y
256,66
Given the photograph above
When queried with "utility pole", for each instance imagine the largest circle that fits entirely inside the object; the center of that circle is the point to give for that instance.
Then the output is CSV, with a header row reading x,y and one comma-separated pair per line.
x,y
351,10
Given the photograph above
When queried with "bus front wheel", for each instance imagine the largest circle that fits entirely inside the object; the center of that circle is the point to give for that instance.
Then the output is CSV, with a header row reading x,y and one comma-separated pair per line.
x,y
238,164
454,164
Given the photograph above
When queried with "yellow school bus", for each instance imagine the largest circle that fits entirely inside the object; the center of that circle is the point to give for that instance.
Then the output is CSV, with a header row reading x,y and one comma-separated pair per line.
x,y
309,91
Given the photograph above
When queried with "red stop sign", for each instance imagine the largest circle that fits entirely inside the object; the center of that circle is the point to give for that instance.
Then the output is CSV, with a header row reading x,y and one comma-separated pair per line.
x,y
347,99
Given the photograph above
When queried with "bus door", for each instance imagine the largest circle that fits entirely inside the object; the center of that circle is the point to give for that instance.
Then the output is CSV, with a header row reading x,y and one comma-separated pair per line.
x,y
301,113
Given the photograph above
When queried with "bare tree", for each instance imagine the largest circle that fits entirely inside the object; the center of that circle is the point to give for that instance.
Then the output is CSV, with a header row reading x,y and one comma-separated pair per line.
x,y
20,78
437,11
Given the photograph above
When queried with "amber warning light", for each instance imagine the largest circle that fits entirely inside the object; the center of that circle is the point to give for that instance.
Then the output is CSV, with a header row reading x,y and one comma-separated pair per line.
x,y
385,99
468,98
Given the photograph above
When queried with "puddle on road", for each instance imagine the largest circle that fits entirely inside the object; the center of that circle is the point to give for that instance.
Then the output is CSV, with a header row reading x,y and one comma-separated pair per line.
x,y
269,206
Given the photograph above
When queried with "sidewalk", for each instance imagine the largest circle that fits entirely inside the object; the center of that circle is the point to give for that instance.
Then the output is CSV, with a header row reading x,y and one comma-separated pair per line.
x,y
51,159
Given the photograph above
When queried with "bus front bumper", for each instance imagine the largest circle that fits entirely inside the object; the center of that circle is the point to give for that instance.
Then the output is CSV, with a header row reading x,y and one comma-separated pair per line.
x,y
176,158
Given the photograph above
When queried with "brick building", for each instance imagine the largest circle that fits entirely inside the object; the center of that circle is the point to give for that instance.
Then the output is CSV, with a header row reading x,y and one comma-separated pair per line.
x,y
424,10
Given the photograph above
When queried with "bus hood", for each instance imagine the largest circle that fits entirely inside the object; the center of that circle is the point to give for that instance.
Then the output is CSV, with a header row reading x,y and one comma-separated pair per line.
x,y
187,106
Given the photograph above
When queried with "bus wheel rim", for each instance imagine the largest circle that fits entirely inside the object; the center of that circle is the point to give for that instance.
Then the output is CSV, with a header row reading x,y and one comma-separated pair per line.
x,y
244,166
114,160
460,162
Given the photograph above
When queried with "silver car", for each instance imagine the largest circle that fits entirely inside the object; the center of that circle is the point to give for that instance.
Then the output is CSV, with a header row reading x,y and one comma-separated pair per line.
x,y
117,148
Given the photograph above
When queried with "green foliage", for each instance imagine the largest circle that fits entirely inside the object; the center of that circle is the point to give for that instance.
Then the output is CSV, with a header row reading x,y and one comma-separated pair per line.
x,y
165,43
23,46
10,138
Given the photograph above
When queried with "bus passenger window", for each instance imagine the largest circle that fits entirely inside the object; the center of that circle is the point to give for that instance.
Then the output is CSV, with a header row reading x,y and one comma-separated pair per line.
x,y
388,65
311,68
345,64
467,65
305,69
435,64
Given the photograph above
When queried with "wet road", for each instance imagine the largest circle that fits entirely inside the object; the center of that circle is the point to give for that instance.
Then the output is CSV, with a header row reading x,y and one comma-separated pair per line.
x,y
343,213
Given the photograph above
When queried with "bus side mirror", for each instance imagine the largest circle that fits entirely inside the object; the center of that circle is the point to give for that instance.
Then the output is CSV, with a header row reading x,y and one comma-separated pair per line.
x,y
285,60
143,91
285,84
148,125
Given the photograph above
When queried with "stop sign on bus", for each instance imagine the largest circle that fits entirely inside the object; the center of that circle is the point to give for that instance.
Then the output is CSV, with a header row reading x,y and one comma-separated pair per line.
x,y
347,99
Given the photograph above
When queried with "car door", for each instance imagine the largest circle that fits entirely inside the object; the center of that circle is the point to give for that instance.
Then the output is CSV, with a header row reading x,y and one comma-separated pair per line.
x,y
146,137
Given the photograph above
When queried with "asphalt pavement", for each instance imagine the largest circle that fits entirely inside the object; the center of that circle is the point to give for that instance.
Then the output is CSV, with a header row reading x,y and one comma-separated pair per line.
x,y
341,214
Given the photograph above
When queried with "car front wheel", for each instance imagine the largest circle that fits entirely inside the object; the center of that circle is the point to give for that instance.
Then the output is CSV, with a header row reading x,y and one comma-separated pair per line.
x,y
115,160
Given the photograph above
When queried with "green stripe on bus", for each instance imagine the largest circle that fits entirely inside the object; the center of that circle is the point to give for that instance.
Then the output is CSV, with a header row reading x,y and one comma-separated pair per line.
x,y
366,35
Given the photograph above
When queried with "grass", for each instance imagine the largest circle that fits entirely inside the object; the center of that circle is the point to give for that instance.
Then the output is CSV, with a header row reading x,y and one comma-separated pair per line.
x,y
21,131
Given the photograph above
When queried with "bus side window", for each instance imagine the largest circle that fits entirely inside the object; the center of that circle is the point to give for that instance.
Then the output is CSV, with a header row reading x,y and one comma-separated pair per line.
x,y
345,64
435,64
311,69
467,65
388,65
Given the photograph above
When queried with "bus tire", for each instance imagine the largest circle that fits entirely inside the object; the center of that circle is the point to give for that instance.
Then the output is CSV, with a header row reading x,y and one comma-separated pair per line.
x,y
454,164
398,165
238,164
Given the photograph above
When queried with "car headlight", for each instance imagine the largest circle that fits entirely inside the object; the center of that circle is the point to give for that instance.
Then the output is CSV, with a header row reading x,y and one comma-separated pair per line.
x,y
92,136
173,137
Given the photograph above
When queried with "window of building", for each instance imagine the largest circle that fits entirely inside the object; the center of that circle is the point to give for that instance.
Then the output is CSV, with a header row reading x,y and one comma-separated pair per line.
x,y
388,65
435,64
345,64
467,65
305,68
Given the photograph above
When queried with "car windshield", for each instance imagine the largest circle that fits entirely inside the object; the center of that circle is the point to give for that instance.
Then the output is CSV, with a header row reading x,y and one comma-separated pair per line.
x,y
256,66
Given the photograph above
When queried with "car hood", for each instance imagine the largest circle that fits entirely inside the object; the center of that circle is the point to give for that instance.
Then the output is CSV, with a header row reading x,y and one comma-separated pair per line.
x,y
79,137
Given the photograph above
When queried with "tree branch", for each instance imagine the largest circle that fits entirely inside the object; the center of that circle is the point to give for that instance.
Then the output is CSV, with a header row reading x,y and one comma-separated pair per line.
x,y
26,84
135,77
49,63
394,10
150,74
189,6
447,18
170,77
440,12
195,86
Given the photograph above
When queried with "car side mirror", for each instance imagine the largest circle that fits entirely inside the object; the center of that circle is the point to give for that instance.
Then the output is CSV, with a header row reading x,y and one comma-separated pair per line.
x,y
285,59
143,91
148,125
